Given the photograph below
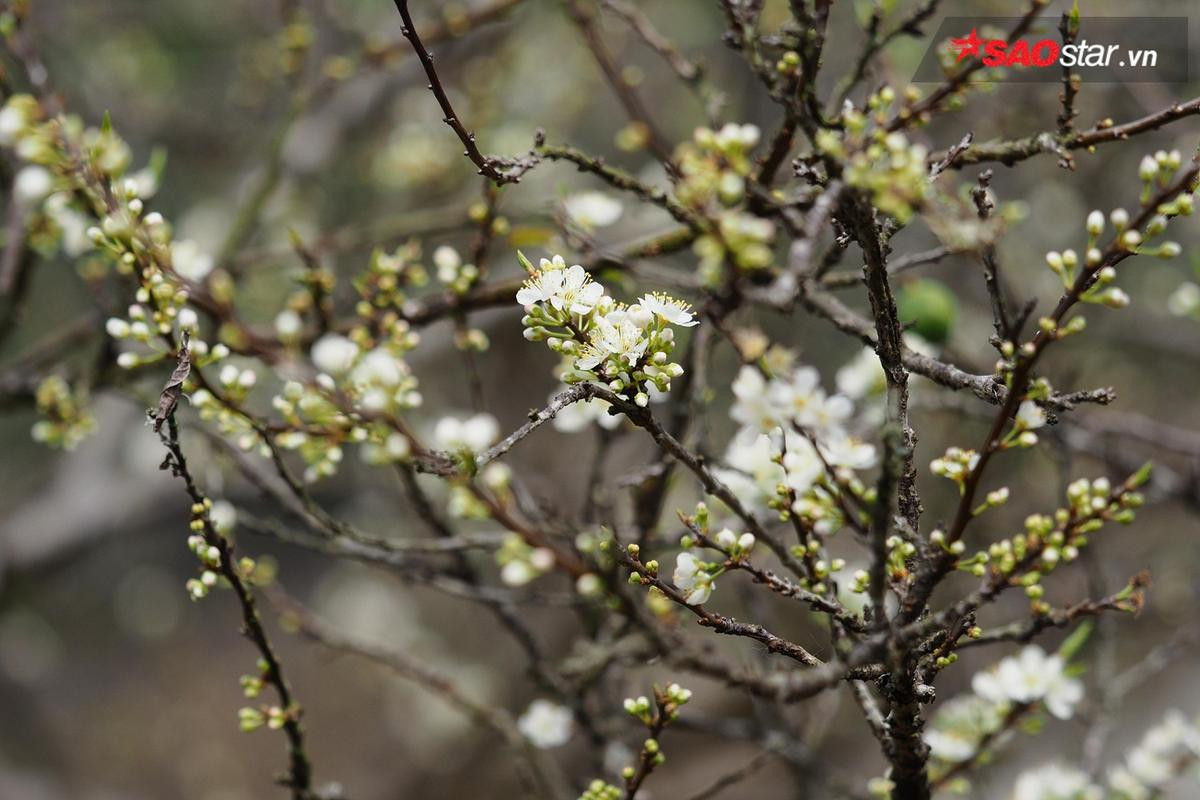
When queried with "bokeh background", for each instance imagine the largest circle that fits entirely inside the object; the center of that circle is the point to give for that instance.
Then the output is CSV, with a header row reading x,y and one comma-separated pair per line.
x,y
114,685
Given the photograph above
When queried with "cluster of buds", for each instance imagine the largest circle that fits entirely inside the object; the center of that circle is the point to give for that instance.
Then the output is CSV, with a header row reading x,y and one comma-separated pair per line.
x,y
602,790
1157,170
736,547
138,328
1102,292
714,169
252,685
228,421
452,272
626,347
738,237
520,563
818,507
251,719
885,165
715,165
820,569
382,287
1097,499
66,419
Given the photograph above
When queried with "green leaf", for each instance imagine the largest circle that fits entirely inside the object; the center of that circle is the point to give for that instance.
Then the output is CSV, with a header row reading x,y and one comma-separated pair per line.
x,y
1075,642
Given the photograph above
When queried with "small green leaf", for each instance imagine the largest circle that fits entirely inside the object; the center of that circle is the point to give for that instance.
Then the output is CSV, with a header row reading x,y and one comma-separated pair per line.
x,y
1075,642
525,263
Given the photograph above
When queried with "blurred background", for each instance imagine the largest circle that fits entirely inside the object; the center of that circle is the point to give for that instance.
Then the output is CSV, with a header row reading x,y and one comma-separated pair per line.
x,y
114,685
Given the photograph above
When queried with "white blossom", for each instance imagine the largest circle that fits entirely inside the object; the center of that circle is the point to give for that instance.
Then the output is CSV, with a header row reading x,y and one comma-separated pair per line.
x,y
959,727
288,324
476,433
13,122
591,210
1157,759
1030,415
223,515
624,342
690,578
31,185
1185,300
1055,782
582,413
447,261
546,724
334,354
517,572
189,261
378,367
1029,677
669,309
753,406
72,224
570,289
754,473
862,376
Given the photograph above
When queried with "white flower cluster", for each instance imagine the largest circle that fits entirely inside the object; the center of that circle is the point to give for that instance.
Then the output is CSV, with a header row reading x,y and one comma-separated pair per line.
x,y
591,210
1165,751
714,170
1028,678
768,452
626,347
475,433
1031,677
520,563
1055,782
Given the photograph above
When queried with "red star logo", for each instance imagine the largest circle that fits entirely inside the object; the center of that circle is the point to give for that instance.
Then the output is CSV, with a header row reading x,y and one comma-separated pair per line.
x,y
967,46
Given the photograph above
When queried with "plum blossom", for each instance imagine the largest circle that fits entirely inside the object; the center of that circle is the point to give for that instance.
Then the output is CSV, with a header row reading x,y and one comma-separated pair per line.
x,y
288,325
1055,782
546,724
582,413
669,309
861,376
1030,677
189,261
334,354
624,342
591,210
691,578
31,185
959,727
1030,416
475,433
378,367
1157,759
568,289
752,406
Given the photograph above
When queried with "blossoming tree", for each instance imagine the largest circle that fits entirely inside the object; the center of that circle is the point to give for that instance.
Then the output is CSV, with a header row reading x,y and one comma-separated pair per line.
x,y
791,497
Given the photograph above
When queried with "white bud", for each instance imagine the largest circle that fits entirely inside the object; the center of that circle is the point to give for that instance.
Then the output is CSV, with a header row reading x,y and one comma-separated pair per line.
x,y
1095,223
1148,168
117,327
